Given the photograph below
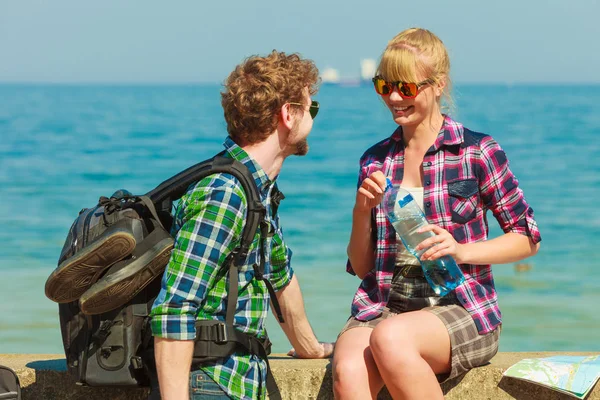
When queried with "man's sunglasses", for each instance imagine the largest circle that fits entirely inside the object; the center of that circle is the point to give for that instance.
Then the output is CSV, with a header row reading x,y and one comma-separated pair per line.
x,y
313,109
407,90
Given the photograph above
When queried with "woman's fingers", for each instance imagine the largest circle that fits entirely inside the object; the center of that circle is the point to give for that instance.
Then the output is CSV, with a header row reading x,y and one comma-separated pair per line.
x,y
372,186
432,241
366,193
442,244
435,250
371,191
379,178
427,243
433,228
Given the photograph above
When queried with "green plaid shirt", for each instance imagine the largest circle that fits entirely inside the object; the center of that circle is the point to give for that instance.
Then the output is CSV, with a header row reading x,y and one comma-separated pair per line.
x,y
208,225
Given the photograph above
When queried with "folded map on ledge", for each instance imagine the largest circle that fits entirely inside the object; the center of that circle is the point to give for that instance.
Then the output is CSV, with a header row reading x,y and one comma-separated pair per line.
x,y
573,375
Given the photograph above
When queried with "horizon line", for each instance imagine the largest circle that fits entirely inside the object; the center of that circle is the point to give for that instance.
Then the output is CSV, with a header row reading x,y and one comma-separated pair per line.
x,y
343,83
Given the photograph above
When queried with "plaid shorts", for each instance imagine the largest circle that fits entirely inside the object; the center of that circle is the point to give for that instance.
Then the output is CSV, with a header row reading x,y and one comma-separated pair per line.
x,y
469,348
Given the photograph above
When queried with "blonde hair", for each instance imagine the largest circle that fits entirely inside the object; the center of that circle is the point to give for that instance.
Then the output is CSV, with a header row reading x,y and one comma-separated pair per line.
x,y
414,55
256,90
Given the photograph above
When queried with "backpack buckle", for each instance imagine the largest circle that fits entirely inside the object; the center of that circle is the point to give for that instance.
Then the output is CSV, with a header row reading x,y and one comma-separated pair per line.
x,y
136,362
221,333
236,255
103,331
267,345
258,272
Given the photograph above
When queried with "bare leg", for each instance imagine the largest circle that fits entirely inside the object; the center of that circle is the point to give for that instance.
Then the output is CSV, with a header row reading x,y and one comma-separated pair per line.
x,y
355,374
409,349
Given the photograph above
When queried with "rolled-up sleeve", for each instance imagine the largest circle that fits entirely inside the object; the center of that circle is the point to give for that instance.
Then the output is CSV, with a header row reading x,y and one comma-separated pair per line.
x,y
212,218
501,193
281,257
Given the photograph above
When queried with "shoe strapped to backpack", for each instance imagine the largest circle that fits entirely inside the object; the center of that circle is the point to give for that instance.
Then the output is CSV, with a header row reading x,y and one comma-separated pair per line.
x,y
109,273
10,389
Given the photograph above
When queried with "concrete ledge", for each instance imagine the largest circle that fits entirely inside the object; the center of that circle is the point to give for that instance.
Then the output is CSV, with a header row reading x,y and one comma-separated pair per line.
x,y
43,377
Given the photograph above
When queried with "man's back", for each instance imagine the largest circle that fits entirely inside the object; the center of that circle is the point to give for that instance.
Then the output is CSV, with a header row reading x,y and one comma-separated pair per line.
x,y
208,225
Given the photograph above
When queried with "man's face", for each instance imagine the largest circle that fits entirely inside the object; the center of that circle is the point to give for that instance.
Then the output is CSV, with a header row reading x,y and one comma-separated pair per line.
x,y
297,139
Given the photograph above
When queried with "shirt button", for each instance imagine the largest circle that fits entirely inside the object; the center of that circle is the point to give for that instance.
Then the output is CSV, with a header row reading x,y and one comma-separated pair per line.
x,y
427,183
429,163
428,204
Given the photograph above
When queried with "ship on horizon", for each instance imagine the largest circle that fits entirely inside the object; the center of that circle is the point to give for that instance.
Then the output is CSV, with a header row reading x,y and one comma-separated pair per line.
x,y
368,67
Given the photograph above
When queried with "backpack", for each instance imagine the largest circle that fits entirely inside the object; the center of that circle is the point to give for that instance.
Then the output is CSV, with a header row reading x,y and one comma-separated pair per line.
x,y
104,310
9,384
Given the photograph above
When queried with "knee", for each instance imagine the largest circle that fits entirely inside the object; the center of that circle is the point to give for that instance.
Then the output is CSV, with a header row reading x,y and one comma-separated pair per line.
x,y
344,369
384,338
346,373
391,344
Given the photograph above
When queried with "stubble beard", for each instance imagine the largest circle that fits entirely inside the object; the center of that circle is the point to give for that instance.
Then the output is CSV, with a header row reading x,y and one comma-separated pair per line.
x,y
302,147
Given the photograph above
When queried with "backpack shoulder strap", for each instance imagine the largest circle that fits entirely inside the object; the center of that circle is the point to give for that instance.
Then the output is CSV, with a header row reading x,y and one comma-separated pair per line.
x,y
172,189
175,187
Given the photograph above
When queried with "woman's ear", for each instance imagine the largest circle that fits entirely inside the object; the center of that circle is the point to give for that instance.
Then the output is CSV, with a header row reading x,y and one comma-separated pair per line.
x,y
440,86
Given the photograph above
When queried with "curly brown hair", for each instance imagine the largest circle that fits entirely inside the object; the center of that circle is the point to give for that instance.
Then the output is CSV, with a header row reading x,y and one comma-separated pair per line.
x,y
257,89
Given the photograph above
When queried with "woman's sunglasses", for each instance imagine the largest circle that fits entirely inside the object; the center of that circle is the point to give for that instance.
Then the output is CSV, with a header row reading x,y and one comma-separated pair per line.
x,y
313,109
406,90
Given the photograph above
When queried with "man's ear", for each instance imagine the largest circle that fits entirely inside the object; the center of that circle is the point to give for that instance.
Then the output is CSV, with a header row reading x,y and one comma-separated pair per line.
x,y
285,116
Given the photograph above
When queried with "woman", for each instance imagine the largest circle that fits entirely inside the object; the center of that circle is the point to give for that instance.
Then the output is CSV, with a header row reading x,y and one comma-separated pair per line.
x,y
400,334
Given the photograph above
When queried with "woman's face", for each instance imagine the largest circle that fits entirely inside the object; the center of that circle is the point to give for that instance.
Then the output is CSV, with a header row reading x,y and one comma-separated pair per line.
x,y
413,111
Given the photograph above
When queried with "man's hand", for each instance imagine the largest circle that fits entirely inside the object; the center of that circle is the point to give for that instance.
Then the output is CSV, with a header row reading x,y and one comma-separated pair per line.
x,y
325,350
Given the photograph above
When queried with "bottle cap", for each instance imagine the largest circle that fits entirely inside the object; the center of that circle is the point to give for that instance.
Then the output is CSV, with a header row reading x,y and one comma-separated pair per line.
x,y
388,184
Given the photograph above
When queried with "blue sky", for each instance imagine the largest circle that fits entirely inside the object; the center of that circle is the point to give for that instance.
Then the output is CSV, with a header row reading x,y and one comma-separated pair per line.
x,y
200,41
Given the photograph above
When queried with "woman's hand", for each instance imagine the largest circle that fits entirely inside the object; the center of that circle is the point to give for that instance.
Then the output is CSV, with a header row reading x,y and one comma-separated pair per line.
x,y
442,244
370,192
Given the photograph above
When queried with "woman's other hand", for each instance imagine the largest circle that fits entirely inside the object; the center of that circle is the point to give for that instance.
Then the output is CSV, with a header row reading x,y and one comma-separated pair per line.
x,y
442,244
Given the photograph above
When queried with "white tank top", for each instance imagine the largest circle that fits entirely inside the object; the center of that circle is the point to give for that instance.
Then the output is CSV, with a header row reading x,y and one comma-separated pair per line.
x,y
403,256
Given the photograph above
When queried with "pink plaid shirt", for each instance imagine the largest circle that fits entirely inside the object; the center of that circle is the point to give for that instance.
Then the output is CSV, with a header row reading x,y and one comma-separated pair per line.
x,y
464,174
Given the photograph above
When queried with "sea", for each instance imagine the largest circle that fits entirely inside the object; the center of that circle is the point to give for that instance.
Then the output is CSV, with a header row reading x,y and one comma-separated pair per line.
x,y
64,146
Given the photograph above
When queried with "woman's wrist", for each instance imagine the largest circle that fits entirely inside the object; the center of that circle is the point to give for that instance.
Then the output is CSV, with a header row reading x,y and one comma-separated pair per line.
x,y
361,213
462,253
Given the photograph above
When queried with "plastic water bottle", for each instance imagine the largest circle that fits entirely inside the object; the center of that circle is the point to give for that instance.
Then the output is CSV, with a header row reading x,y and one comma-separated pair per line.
x,y
406,217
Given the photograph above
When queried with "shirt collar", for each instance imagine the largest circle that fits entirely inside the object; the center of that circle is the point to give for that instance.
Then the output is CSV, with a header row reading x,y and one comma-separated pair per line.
x,y
263,183
450,134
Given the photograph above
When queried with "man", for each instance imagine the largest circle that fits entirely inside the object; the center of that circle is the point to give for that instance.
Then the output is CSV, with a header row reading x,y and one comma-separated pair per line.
x,y
268,110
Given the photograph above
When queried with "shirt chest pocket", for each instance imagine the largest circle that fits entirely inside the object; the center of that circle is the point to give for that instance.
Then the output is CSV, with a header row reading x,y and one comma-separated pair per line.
x,y
463,196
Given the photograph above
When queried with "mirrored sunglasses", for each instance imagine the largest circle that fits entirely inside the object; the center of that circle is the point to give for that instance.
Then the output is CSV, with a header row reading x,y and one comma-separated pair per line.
x,y
406,90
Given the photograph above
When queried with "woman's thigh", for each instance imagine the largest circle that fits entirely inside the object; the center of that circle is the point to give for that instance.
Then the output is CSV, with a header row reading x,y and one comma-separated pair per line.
x,y
411,334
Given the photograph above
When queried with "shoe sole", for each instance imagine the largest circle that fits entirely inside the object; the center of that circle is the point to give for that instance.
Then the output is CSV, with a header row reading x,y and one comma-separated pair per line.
x,y
118,288
75,275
